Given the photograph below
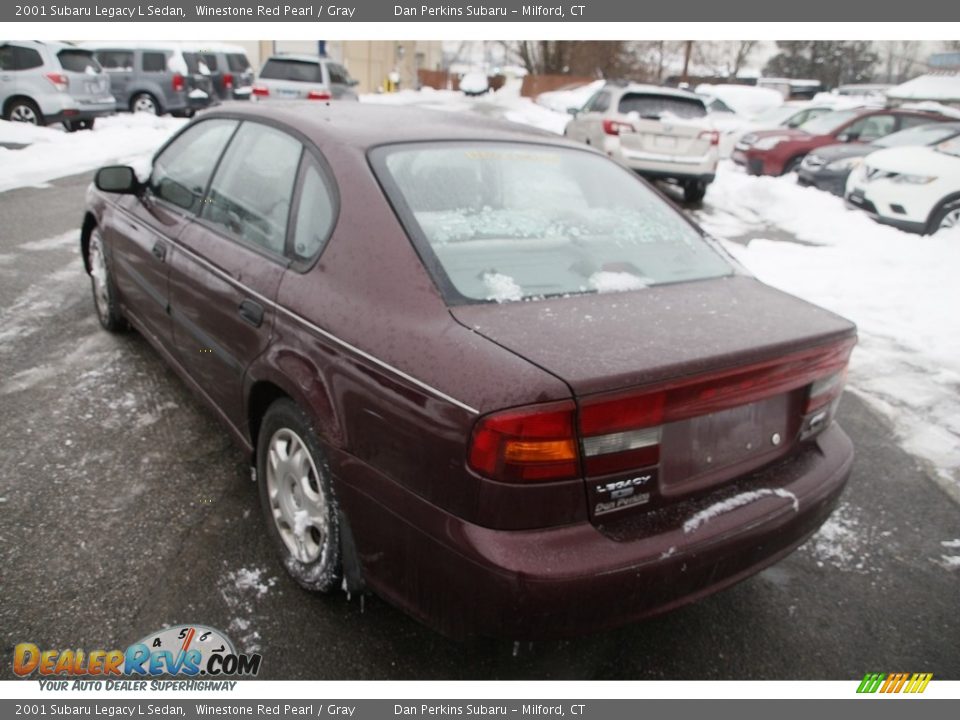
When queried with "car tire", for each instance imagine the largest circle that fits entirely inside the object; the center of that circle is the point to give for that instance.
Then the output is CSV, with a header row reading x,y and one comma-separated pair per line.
x,y
297,498
694,190
792,165
25,111
74,125
144,102
102,284
945,216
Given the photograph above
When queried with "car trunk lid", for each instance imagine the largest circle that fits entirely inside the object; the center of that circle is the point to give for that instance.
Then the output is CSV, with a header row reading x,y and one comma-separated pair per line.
x,y
679,388
86,80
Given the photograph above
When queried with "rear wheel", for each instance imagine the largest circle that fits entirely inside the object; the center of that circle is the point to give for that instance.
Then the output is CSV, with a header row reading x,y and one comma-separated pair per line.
x,y
144,102
296,494
25,111
946,216
694,190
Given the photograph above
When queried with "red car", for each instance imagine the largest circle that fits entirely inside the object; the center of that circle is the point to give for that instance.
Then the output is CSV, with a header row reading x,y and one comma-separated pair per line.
x,y
486,372
775,152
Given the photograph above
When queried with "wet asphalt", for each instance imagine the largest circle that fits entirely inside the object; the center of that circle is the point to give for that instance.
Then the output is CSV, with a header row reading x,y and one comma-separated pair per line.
x,y
124,508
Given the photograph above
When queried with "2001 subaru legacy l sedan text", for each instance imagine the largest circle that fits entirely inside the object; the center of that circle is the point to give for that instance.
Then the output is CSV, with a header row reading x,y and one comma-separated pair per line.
x,y
484,371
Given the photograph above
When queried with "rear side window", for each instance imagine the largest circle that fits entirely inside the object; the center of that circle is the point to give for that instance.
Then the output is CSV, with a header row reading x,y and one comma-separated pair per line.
x,y
293,70
154,62
499,221
210,60
910,121
314,216
656,106
196,64
251,193
79,61
181,172
599,102
237,62
15,57
115,60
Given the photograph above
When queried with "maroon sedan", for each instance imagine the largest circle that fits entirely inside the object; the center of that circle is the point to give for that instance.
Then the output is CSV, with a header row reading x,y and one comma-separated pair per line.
x,y
776,152
483,371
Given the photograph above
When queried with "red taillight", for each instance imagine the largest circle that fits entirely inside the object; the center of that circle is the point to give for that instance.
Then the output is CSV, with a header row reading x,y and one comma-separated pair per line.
x,y
712,135
260,91
59,80
227,80
179,83
534,444
615,127
318,95
622,431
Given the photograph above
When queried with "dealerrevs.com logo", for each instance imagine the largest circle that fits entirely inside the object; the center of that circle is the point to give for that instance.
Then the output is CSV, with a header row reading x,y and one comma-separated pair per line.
x,y
910,683
180,651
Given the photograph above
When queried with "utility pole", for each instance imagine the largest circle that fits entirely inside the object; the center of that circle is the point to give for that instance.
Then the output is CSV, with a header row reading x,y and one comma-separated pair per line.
x,y
687,50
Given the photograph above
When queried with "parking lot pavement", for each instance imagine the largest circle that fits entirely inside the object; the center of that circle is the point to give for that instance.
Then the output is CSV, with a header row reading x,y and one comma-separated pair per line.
x,y
124,507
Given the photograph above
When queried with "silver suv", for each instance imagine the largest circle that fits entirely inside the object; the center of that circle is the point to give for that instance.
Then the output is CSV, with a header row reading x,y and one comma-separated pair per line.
x,y
156,77
304,77
661,133
48,82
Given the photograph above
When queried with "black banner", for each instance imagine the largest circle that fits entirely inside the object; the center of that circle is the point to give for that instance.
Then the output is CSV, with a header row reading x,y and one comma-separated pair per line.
x,y
498,11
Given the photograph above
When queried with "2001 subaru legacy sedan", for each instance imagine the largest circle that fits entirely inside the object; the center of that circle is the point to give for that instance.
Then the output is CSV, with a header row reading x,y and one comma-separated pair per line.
x,y
486,372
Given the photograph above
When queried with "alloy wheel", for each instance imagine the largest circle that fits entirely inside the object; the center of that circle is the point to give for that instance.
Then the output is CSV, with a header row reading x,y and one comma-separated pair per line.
x,y
24,114
297,502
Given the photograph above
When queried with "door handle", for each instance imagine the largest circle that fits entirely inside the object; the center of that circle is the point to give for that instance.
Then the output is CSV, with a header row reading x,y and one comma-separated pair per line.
x,y
159,251
252,312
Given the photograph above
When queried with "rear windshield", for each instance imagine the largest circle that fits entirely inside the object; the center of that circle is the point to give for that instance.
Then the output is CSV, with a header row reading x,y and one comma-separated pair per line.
x,y
828,122
498,222
196,64
237,62
294,70
80,61
656,106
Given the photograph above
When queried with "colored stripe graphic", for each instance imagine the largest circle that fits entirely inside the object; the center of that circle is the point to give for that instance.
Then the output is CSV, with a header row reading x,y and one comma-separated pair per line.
x,y
894,682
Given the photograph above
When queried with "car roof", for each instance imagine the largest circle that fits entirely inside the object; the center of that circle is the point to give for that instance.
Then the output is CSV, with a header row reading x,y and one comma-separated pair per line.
x,y
655,90
363,125
299,57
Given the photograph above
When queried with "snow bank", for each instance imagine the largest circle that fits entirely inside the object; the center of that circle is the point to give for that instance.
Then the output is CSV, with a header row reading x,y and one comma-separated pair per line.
x,y
560,100
899,288
124,139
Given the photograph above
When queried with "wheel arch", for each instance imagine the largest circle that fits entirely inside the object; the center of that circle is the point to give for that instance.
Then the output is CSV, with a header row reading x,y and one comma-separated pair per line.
x,y
19,96
86,230
952,197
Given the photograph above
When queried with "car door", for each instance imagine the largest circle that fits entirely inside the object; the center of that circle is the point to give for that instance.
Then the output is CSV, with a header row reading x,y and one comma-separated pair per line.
x,y
229,261
869,128
118,64
7,76
140,230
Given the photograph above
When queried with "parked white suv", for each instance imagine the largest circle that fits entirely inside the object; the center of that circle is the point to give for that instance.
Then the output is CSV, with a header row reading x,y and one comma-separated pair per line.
x,y
49,82
912,188
304,77
661,133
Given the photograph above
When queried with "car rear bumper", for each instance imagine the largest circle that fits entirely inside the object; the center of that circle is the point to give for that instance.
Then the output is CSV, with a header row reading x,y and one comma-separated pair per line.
x,y
757,163
464,580
667,166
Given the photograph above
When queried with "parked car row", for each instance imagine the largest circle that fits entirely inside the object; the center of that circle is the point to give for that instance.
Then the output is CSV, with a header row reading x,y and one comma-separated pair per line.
x,y
48,82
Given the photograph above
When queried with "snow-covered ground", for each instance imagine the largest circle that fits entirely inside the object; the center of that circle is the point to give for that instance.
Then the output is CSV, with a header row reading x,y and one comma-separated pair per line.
x,y
900,289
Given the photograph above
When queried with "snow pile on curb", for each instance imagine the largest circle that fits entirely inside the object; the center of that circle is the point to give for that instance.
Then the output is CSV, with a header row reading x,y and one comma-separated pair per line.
x,y
124,139
899,288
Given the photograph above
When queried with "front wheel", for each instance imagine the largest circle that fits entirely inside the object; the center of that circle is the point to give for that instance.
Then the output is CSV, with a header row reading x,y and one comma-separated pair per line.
x,y
296,495
101,280
947,216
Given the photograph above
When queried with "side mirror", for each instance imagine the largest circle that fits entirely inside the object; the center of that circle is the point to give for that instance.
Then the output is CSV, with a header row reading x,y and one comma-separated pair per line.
x,y
573,111
846,137
353,82
117,179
